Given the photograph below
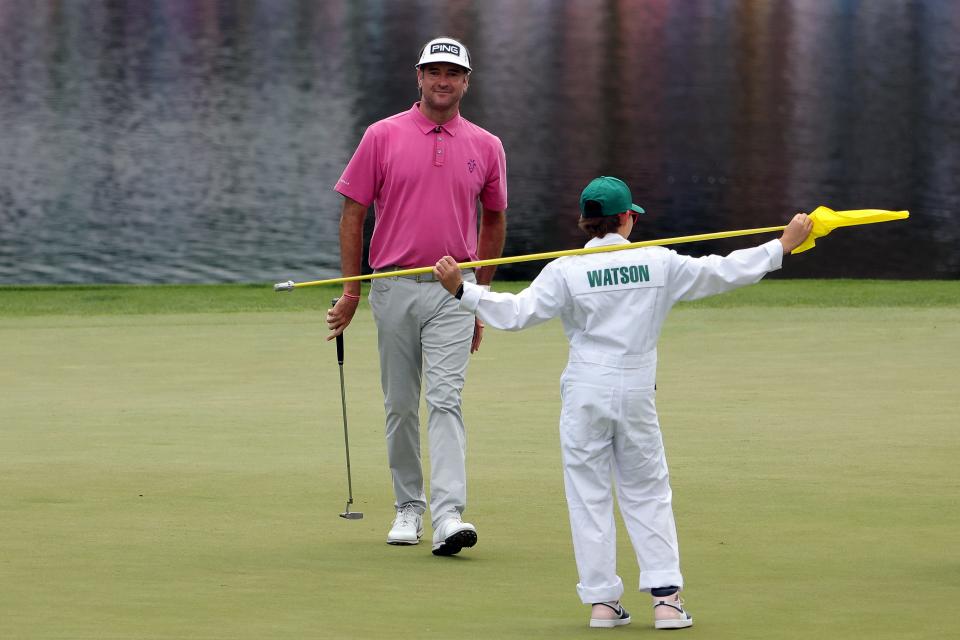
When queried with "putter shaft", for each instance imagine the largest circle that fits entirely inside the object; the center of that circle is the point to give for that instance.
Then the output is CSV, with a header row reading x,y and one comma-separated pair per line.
x,y
347,514
346,436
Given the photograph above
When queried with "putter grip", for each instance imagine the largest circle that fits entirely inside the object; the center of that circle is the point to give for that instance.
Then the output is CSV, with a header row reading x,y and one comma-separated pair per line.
x,y
339,338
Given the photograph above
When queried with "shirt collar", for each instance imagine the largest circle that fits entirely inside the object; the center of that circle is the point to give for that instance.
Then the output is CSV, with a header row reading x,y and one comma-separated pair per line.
x,y
610,238
426,125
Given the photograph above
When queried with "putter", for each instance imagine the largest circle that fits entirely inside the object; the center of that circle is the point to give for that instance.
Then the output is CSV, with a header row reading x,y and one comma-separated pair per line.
x,y
349,515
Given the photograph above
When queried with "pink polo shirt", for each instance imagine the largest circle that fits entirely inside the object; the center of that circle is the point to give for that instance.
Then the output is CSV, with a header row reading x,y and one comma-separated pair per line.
x,y
424,181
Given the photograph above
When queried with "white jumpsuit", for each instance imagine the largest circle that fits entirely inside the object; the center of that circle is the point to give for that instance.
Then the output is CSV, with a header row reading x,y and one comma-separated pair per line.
x,y
613,306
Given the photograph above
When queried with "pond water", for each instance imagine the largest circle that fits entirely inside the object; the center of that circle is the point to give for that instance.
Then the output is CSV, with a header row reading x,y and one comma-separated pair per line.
x,y
184,141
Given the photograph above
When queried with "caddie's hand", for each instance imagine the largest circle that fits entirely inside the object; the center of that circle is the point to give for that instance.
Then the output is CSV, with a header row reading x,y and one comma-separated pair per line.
x,y
796,232
448,273
477,336
340,315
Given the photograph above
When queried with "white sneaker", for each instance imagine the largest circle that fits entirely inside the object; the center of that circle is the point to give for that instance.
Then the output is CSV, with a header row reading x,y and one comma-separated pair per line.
x,y
672,615
453,535
407,526
607,615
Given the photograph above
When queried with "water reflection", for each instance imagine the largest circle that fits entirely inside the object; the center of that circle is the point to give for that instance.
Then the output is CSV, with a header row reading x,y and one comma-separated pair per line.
x,y
197,141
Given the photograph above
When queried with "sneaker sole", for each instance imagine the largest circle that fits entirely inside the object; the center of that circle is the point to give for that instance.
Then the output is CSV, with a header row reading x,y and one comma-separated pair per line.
x,y
673,624
608,624
452,545
403,543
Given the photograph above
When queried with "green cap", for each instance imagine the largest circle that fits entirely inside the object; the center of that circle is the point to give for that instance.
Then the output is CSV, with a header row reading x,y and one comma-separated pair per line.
x,y
606,196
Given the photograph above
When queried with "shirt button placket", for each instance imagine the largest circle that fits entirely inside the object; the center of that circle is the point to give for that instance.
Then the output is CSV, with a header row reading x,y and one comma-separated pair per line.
x,y
438,154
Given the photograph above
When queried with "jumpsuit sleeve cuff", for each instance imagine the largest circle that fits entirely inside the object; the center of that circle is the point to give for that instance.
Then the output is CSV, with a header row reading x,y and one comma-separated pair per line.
x,y
471,296
774,249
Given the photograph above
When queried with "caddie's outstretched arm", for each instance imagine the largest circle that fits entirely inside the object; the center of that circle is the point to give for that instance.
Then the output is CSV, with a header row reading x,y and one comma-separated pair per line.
x,y
541,301
696,278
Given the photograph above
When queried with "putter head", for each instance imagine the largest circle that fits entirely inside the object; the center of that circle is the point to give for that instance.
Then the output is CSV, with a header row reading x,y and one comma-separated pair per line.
x,y
351,515
284,286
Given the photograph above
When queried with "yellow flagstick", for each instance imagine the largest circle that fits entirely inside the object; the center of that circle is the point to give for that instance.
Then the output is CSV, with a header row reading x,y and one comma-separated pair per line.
x,y
288,286
825,221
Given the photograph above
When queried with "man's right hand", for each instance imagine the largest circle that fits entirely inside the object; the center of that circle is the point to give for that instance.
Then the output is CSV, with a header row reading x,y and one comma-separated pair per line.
x,y
339,317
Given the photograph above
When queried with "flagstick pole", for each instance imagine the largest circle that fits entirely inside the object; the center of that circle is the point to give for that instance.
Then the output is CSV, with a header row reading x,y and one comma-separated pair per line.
x,y
290,285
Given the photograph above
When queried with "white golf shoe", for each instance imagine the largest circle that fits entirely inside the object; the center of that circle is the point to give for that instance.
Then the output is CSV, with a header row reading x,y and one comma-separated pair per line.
x,y
453,535
407,526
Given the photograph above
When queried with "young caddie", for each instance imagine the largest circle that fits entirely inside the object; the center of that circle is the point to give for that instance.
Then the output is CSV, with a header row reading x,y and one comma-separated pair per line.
x,y
613,306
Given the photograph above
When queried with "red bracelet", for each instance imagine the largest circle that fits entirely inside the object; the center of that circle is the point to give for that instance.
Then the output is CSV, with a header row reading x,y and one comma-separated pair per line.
x,y
350,296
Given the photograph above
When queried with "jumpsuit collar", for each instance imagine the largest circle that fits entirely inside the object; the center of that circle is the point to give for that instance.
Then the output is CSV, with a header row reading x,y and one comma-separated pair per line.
x,y
610,238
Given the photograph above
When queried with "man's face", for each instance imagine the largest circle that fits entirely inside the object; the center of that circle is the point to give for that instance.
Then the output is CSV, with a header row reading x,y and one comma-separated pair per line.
x,y
443,84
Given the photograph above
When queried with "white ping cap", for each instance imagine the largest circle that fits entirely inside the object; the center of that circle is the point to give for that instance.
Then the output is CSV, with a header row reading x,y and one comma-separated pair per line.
x,y
445,50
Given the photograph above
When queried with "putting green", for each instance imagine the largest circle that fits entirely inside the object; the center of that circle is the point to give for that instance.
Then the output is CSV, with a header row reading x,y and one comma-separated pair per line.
x,y
179,475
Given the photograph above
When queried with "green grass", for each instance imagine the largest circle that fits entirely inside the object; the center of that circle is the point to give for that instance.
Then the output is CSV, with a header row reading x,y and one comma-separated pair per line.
x,y
173,467
163,299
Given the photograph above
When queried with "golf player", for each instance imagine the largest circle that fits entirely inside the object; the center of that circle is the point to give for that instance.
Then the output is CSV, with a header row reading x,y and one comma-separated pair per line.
x,y
424,171
613,306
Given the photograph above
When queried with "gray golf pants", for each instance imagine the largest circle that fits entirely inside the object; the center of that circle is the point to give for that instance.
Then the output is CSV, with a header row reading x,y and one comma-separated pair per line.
x,y
422,334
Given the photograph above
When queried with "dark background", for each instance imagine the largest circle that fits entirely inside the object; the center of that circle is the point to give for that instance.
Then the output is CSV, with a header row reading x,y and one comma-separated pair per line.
x,y
198,141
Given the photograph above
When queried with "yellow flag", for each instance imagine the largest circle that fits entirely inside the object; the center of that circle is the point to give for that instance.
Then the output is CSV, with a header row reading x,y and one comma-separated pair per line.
x,y
826,220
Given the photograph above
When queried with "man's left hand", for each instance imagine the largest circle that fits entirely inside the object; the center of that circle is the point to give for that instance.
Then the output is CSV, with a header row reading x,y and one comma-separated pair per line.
x,y
477,336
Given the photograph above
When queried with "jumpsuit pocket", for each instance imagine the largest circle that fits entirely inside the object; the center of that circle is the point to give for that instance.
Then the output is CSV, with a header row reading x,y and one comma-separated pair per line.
x,y
588,415
639,442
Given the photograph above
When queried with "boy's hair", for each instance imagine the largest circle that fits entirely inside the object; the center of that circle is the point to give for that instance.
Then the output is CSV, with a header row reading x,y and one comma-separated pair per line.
x,y
599,227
